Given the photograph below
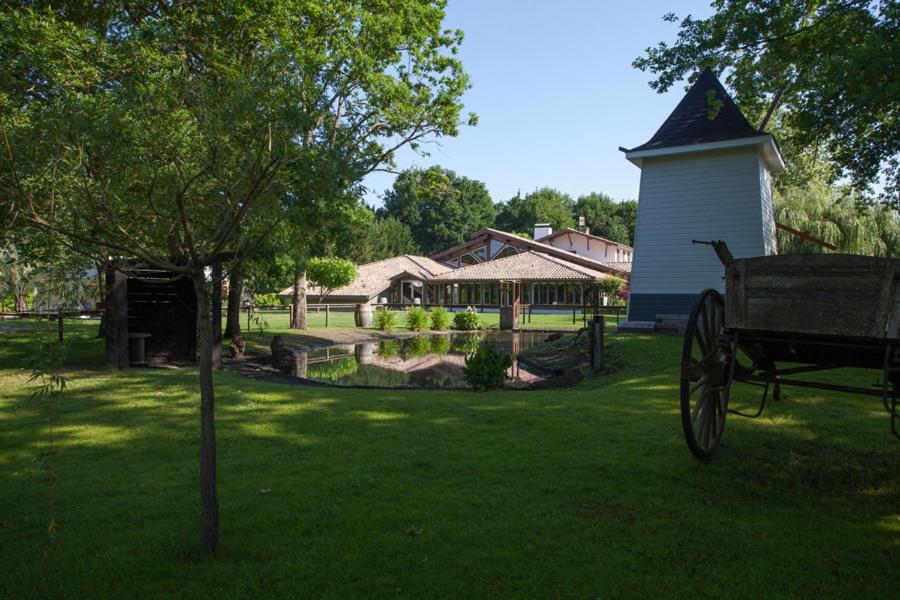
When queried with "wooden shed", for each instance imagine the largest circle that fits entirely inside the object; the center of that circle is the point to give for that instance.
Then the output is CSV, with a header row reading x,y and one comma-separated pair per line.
x,y
154,308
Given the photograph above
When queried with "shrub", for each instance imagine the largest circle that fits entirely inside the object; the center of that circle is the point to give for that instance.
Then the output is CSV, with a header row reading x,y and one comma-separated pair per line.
x,y
466,321
385,320
417,346
486,369
388,348
440,344
467,343
270,299
440,319
417,319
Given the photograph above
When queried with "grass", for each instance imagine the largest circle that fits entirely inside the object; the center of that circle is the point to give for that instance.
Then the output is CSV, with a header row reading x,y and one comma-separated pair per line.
x,y
588,492
279,320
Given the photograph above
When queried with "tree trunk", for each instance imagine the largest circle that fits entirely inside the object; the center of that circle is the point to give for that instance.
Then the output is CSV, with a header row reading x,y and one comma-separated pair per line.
x,y
21,301
209,503
235,291
299,300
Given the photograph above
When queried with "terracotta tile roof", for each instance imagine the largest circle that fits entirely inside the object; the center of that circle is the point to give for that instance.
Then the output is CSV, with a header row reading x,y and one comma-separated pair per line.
x,y
526,244
373,278
525,266
690,122
624,267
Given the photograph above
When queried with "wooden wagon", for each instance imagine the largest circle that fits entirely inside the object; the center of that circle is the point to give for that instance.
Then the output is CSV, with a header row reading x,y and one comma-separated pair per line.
x,y
782,316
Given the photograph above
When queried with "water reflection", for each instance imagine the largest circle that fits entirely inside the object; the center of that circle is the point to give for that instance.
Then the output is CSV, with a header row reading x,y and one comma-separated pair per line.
x,y
426,361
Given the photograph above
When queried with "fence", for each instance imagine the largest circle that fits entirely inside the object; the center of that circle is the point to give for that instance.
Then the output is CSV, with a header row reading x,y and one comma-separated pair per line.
x,y
526,314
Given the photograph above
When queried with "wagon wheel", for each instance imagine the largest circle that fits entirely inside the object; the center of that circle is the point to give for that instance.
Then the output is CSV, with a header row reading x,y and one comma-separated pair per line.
x,y
705,375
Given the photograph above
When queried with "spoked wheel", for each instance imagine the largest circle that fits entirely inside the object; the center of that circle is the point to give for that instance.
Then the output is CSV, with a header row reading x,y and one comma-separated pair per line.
x,y
705,375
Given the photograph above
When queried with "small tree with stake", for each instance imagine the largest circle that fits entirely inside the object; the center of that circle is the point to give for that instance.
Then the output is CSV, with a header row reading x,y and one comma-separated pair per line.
x,y
330,274
164,130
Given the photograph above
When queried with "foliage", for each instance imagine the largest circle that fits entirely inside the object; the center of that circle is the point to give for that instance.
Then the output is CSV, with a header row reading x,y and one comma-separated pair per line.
x,y
441,208
330,273
607,218
419,345
417,319
486,369
466,320
833,215
466,343
388,348
173,132
545,205
382,237
440,344
829,66
332,370
440,318
270,299
385,320
610,286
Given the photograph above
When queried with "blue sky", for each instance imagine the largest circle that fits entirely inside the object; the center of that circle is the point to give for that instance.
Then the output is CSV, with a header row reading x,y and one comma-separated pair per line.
x,y
556,95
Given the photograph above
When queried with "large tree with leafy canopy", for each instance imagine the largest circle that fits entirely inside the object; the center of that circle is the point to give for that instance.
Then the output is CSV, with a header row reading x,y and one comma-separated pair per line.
x,y
545,205
441,208
607,218
828,69
165,131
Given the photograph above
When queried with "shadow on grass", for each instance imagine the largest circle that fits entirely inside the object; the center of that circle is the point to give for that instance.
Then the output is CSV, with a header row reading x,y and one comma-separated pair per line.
x,y
574,490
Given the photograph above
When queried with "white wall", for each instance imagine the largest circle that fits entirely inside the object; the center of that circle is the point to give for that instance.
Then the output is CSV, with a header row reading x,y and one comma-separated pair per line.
x,y
704,196
598,250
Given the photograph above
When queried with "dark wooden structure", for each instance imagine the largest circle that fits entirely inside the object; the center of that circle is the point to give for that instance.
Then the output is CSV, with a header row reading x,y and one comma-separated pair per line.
x,y
783,316
148,300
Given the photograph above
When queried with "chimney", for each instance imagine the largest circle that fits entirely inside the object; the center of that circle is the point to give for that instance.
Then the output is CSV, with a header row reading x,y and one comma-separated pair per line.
x,y
581,225
542,230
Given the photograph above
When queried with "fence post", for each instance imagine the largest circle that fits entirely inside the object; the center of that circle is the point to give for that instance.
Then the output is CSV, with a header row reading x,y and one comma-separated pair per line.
x,y
249,308
59,318
596,340
327,310
573,315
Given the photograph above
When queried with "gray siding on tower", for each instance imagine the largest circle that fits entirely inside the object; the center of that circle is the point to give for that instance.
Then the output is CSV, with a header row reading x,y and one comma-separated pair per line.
x,y
713,195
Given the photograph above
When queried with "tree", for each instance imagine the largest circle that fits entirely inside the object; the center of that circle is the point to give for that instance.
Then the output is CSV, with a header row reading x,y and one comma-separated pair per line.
x,y
829,66
441,208
17,278
167,131
610,286
833,214
545,205
604,217
330,274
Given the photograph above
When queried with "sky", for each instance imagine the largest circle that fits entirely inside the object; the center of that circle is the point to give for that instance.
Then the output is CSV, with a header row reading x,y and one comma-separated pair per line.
x,y
555,93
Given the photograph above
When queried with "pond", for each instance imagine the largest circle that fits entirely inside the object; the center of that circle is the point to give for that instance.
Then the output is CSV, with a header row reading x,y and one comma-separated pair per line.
x,y
425,361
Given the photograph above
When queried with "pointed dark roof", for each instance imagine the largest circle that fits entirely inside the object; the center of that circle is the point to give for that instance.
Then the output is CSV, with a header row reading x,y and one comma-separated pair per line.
x,y
690,122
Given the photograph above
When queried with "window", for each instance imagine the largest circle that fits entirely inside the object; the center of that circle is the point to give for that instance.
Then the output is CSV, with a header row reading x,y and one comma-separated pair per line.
x,y
506,251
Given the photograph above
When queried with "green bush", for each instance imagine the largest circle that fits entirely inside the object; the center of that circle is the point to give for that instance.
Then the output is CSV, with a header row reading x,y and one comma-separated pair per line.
x,y
440,319
440,344
417,346
417,319
388,348
486,369
466,321
269,299
467,343
385,320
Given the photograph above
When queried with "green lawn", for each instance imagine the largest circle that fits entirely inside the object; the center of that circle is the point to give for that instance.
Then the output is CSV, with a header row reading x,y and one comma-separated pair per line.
x,y
587,492
279,320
